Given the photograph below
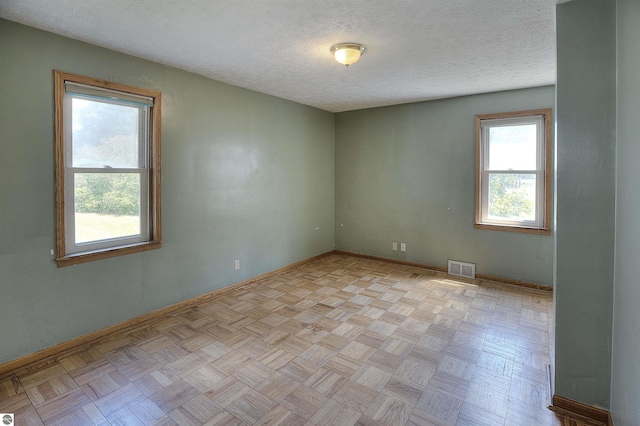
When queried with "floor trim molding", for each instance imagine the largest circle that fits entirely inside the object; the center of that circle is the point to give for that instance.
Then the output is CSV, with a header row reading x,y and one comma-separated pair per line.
x,y
574,413
86,339
519,283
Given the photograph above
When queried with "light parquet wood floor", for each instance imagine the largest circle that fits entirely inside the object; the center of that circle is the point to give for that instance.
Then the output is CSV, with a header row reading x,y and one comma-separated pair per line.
x,y
338,341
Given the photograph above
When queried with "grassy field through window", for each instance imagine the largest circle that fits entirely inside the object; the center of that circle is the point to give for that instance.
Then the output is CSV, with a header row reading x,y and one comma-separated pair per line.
x,y
93,226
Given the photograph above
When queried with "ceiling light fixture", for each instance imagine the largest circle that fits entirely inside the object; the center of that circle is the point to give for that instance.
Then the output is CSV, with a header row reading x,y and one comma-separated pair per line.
x,y
347,53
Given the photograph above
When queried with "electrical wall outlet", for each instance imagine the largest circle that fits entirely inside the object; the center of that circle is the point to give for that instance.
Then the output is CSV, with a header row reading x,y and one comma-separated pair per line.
x,y
403,246
236,264
394,246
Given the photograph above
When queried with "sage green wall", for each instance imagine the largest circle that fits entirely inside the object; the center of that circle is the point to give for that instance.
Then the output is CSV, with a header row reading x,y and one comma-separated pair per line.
x,y
406,173
245,176
585,189
625,380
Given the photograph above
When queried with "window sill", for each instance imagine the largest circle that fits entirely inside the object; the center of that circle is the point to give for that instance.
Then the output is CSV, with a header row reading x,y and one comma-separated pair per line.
x,y
78,258
508,228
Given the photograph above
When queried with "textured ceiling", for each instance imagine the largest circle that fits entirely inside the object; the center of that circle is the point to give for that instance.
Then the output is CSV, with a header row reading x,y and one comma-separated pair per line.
x,y
416,49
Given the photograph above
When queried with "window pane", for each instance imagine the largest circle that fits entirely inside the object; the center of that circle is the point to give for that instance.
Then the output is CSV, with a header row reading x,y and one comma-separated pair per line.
x,y
107,205
104,134
512,196
512,147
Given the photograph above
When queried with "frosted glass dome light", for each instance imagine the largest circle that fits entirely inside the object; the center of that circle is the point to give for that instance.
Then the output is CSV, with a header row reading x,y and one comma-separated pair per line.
x,y
347,53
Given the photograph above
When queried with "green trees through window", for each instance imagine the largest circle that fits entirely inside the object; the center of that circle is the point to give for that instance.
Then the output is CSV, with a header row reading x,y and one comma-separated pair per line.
x,y
511,196
115,194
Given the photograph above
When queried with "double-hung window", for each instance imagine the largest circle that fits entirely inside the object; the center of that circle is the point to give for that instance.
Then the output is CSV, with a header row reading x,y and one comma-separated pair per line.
x,y
513,180
107,169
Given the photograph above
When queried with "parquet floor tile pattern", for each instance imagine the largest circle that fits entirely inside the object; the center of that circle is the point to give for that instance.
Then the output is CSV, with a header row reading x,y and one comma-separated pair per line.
x,y
339,341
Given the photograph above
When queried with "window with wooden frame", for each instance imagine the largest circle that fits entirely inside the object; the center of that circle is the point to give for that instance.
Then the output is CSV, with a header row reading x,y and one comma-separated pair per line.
x,y
513,171
107,169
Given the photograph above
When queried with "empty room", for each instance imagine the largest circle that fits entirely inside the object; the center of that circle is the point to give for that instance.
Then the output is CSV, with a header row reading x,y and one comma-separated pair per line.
x,y
279,212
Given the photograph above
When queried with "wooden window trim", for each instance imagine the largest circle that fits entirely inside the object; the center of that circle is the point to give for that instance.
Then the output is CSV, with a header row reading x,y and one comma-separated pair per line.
x,y
548,120
155,214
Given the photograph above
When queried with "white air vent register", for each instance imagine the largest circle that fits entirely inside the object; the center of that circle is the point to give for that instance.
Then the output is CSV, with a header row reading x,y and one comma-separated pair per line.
x,y
462,269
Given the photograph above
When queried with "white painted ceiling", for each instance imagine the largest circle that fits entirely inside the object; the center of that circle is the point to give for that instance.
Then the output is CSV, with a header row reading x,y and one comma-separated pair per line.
x,y
415,49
